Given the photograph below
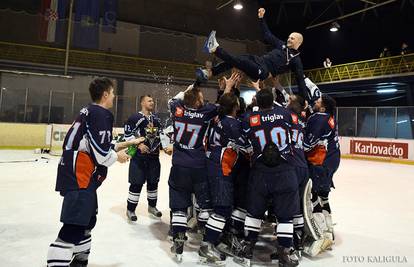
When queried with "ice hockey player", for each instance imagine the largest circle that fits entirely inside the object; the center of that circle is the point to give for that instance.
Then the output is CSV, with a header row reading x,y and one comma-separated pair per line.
x,y
323,154
268,130
87,153
224,143
191,118
145,164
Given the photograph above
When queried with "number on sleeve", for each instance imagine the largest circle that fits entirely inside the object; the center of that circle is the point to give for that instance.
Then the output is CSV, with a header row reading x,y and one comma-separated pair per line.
x,y
297,138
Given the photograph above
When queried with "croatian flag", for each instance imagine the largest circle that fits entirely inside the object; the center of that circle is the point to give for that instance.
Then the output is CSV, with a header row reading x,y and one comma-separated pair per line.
x,y
53,20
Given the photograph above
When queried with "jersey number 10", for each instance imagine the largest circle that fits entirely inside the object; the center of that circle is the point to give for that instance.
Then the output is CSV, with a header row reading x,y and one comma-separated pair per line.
x,y
278,135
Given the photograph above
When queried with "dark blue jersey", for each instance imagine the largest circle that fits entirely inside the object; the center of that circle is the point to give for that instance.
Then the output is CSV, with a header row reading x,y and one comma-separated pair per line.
x,y
225,142
297,132
87,148
264,126
190,127
141,125
226,132
321,139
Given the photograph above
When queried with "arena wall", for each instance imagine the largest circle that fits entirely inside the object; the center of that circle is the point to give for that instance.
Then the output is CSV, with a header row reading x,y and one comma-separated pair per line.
x,y
22,136
31,136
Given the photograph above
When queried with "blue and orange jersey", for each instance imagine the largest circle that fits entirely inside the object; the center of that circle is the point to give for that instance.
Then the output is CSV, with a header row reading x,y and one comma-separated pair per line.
x,y
141,125
190,128
297,133
225,142
321,138
87,148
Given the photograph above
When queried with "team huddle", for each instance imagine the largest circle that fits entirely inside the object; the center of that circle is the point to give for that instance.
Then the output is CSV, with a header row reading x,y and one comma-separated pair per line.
x,y
241,164
234,164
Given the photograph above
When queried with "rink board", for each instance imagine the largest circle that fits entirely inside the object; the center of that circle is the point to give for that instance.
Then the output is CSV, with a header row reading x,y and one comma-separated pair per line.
x,y
31,136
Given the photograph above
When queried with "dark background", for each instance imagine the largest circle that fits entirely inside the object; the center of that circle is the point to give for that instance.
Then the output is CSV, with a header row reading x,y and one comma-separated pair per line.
x,y
361,37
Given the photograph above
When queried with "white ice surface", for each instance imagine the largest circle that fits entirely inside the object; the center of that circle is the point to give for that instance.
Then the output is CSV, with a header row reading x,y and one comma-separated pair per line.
x,y
373,207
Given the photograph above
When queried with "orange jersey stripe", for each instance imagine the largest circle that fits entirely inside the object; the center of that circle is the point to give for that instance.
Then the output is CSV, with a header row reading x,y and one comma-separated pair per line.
x,y
84,169
228,160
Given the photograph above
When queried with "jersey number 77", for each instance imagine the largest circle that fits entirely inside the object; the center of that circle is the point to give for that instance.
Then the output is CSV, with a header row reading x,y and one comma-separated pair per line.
x,y
182,127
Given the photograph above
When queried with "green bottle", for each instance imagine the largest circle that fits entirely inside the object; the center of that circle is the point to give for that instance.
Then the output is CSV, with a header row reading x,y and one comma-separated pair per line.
x,y
132,150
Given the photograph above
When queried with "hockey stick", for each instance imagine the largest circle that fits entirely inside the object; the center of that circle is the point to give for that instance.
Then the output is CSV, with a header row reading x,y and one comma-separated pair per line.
x,y
19,161
25,160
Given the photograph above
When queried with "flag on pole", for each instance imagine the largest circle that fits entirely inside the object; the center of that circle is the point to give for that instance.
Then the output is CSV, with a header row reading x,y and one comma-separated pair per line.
x,y
86,28
109,16
53,23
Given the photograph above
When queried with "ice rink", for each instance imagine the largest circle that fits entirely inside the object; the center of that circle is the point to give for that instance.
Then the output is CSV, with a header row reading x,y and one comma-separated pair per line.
x,y
373,206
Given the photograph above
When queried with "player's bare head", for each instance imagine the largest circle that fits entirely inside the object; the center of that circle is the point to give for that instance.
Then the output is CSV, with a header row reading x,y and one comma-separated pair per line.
x,y
327,104
102,91
147,102
264,99
296,103
295,39
229,104
193,98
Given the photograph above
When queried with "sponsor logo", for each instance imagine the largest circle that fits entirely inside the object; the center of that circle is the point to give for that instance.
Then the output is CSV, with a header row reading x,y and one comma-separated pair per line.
x,y
179,112
192,114
254,120
380,149
295,118
84,111
331,122
272,117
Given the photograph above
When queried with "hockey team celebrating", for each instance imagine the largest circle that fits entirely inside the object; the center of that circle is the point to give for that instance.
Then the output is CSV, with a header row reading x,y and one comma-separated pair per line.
x,y
237,167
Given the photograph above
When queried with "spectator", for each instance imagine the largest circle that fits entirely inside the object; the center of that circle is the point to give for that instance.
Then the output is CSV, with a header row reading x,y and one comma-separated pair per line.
x,y
385,52
327,63
404,49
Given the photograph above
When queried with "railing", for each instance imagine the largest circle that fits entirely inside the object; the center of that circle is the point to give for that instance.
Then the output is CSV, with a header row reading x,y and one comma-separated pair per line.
x,y
94,60
124,63
386,122
358,70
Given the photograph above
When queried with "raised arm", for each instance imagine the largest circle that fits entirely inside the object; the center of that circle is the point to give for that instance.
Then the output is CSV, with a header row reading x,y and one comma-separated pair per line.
x,y
300,79
268,36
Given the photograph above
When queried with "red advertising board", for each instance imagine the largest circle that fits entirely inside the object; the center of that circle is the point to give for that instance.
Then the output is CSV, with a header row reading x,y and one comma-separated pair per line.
x,y
379,149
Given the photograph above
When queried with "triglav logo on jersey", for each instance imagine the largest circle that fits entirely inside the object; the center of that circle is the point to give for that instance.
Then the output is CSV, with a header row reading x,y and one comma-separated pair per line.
x,y
272,117
295,118
331,122
254,120
193,114
179,112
